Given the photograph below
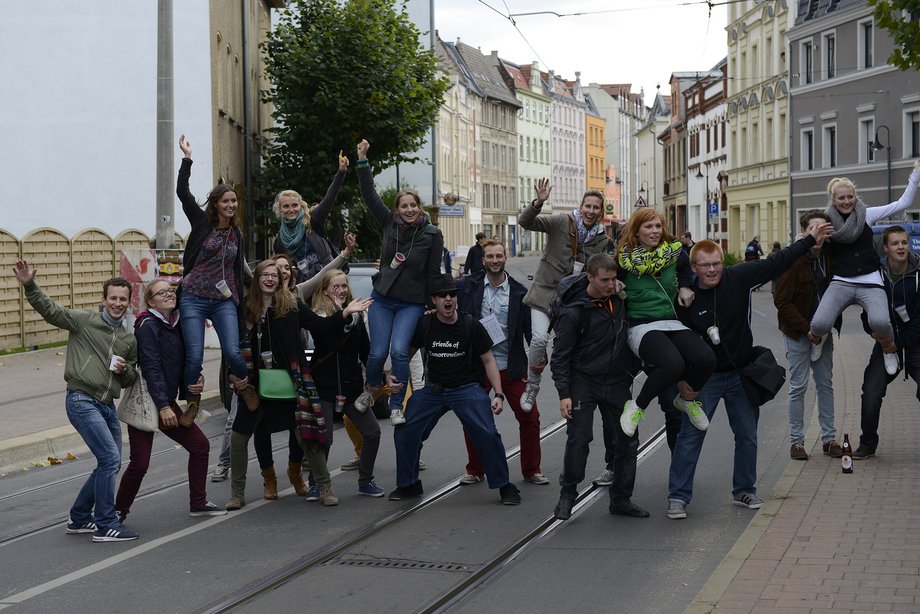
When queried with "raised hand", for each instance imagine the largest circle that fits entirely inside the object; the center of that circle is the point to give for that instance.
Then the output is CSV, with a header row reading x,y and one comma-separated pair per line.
x,y
357,305
350,242
185,146
343,162
543,189
23,272
363,146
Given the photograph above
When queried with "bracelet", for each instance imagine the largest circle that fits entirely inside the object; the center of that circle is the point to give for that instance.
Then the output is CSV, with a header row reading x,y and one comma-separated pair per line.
x,y
363,163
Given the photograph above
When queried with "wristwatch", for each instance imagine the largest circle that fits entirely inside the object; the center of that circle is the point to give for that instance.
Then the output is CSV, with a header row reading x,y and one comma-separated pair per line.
x,y
500,396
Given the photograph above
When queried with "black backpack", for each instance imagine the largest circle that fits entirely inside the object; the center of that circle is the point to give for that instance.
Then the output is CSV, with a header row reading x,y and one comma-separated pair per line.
x,y
559,301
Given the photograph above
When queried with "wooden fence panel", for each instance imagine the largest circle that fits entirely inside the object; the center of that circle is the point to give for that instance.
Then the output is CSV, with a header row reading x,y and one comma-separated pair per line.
x,y
92,266
48,250
11,298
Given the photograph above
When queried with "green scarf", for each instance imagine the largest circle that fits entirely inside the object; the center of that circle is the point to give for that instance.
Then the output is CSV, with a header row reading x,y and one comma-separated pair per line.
x,y
644,262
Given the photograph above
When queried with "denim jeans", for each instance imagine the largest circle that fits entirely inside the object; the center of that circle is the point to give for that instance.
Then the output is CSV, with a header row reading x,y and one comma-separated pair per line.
x,y
472,407
539,324
193,310
798,355
610,397
99,427
742,417
875,385
392,324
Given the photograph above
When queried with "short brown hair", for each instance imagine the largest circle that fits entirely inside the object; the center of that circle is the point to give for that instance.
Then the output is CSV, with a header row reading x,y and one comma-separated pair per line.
x,y
707,247
493,243
891,230
118,282
599,262
812,214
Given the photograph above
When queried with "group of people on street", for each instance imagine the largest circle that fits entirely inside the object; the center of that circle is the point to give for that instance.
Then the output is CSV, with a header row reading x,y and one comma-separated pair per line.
x,y
643,302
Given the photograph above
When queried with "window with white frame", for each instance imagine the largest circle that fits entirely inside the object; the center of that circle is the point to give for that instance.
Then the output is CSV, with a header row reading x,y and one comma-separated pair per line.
x,y
806,64
866,138
912,133
865,36
829,146
829,56
808,150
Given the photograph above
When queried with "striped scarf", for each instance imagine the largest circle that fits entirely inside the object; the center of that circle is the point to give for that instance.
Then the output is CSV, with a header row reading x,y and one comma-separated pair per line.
x,y
644,262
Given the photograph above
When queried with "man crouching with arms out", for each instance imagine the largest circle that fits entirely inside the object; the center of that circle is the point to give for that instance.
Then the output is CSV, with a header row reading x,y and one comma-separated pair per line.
x,y
592,367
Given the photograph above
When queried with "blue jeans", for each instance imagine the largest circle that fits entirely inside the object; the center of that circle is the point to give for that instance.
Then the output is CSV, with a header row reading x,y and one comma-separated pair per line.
x,y
193,310
621,451
875,385
472,407
392,324
742,417
99,427
798,355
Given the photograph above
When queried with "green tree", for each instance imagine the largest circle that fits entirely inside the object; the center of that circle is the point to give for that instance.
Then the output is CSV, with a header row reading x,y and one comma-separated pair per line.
x,y
340,72
900,19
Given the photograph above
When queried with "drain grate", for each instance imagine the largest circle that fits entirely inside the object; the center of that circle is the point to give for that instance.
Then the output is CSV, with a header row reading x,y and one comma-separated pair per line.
x,y
403,564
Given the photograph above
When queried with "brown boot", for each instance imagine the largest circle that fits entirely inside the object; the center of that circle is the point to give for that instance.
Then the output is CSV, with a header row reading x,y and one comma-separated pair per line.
x,y
271,483
235,502
297,479
193,402
246,391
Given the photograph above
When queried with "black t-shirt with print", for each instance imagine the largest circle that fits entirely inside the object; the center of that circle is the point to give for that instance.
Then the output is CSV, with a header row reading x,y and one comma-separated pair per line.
x,y
453,360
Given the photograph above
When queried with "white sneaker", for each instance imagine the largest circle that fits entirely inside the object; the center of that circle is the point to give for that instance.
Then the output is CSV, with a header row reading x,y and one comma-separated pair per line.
x,y
631,417
529,398
363,402
891,363
397,417
694,411
816,349
469,478
604,479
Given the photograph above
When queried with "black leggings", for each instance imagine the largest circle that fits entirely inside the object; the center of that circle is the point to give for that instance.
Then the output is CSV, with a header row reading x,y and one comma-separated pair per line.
x,y
672,356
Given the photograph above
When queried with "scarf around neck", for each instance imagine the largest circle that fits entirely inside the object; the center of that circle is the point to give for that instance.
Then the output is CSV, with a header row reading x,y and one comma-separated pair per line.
x,y
586,234
644,262
847,230
293,235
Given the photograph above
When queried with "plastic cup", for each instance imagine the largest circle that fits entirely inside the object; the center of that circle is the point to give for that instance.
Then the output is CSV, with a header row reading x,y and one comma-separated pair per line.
x,y
224,288
398,259
113,362
267,359
339,403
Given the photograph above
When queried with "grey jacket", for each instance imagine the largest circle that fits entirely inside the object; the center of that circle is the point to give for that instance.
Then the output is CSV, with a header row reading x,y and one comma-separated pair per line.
x,y
557,260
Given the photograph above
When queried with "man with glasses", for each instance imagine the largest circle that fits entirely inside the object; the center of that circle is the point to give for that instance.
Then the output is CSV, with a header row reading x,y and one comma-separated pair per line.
x,y
456,351
720,314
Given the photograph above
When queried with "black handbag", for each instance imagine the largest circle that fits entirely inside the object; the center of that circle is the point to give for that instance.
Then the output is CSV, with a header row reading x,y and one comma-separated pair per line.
x,y
762,377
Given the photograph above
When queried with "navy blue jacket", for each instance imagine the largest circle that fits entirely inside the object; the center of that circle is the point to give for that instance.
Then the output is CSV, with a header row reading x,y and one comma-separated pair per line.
x,y
904,290
161,356
469,301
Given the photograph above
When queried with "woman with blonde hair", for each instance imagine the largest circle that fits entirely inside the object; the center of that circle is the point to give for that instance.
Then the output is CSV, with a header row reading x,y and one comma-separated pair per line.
x,y
274,318
855,265
656,272
337,367
161,357
302,233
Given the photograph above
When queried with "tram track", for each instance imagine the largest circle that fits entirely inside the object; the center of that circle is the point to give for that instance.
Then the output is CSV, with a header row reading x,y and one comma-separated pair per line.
x,y
330,552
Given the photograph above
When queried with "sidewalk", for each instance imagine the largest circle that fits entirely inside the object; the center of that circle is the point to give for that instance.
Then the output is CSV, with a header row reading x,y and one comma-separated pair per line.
x,y
34,424
826,541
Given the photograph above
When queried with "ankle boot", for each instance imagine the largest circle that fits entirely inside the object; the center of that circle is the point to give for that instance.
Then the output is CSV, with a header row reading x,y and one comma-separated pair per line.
x,y
236,501
271,483
193,402
246,391
297,479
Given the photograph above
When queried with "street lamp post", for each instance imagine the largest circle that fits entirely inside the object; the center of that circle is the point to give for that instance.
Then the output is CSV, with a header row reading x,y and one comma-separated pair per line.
x,y
877,146
643,191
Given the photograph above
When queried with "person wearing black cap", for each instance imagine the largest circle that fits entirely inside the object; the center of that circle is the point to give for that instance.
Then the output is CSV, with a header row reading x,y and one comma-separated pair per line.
x,y
456,350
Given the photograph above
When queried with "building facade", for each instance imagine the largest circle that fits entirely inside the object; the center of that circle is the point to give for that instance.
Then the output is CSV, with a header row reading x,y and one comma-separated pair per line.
x,y
650,156
758,104
707,152
596,152
851,113
568,140
534,146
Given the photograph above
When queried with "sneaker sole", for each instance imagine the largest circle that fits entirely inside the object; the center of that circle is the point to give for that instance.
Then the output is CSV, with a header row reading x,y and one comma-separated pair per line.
x,y
750,506
208,513
681,516
863,457
510,502
78,531
376,495
100,540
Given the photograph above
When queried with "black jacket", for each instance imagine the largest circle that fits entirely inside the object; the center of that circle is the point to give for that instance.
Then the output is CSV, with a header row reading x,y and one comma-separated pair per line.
x,y
469,301
410,281
728,304
601,352
904,290
337,360
473,263
161,356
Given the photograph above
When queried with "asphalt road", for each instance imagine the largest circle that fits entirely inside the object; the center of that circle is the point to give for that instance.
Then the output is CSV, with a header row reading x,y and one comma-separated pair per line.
x,y
593,563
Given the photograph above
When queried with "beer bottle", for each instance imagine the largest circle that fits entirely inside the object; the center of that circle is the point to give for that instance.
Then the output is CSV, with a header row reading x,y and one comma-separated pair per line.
x,y
846,461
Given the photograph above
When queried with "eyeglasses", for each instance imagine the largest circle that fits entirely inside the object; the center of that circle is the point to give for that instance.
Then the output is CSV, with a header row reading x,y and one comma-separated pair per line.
x,y
164,293
450,293
269,276
709,265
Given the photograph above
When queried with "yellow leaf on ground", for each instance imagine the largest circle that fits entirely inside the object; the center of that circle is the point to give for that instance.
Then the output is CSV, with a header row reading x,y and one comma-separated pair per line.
x,y
54,460
70,456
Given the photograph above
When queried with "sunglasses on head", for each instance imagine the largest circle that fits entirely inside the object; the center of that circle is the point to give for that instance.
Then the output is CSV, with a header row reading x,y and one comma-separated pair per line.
x,y
450,293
